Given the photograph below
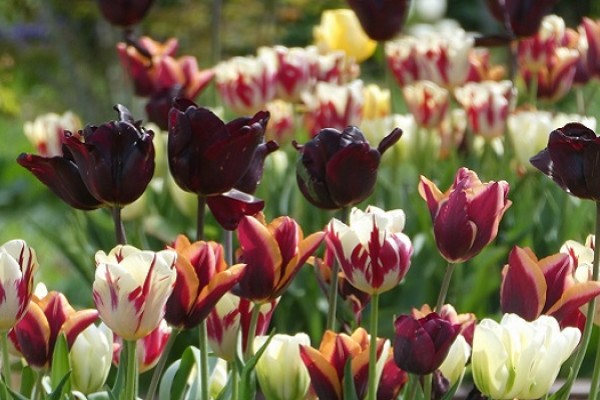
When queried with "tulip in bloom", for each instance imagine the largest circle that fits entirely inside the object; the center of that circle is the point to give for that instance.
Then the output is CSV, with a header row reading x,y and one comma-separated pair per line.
x,y
590,35
326,365
381,20
421,345
206,156
372,251
111,167
294,70
520,359
427,102
339,169
34,336
520,17
467,321
280,371
341,30
148,349
47,130
91,357
570,159
555,80
202,279
282,122
18,263
466,217
273,254
131,288
377,102
124,13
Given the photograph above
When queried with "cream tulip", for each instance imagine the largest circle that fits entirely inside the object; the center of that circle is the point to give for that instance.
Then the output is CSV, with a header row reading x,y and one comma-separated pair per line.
x,y
91,358
453,366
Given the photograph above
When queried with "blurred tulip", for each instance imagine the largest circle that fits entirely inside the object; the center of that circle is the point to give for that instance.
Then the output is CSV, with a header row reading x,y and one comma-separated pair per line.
x,y
466,217
18,263
555,80
333,106
427,102
520,17
273,255
326,365
34,336
590,33
281,127
570,159
246,84
124,13
535,52
202,279
340,30
230,319
148,349
206,156
131,288
453,367
112,166
480,68
401,56
520,359
335,67
372,250
280,371
528,131
339,169
452,132
487,105
91,358
47,130
293,70
381,20
377,102
421,345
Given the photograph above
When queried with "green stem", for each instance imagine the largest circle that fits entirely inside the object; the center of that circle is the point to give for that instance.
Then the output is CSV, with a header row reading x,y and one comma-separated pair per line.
x,y
5,360
200,217
131,373
413,382
38,388
333,285
533,88
119,228
579,96
445,285
589,319
595,375
427,383
228,247
203,346
372,393
235,381
160,366
252,331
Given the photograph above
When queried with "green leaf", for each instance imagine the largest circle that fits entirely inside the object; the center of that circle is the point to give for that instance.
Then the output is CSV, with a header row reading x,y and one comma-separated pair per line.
x,y
61,365
166,383
190,359
565,389
349,389
450,393
61,388
119,384
106,395
248,377
28,376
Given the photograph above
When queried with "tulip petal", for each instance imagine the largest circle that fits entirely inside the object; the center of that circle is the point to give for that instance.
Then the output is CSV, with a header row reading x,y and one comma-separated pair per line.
x,y
33,336
77,322
324,378
573,298
454,232
184,292
431,194
486,210
558,272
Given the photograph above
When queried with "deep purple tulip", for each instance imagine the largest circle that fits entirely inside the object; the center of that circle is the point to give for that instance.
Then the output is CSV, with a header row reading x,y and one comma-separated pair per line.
x,y
339,169
112,166
124,13
522,18
421,345
207,156
230,207
381,19
572,160
159,104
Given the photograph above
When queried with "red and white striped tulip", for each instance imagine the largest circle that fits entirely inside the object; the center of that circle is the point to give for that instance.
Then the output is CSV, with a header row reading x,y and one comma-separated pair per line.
x,y
148,349
427,102
46,132
131,288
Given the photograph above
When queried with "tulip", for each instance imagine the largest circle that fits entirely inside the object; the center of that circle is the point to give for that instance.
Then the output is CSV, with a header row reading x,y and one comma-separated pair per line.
x,y
280,371
91,358
401,56
326,365
535,52
149,349
520,359
230,207
92,173
282,122
335,67
294,70
590,31
34,336
124,13
381,20
340,30
273,255
453,367
18,263
230,319
206,156
421,345
372,250
339,169
377,102
131,288
427,102
447,312
520,17
392,379
46,131
570,160
466,217
202,279
480,68
555,80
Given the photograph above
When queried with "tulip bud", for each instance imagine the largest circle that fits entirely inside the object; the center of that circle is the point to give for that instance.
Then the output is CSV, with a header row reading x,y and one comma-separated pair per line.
x,y
381,20
124,13
91,358
520,17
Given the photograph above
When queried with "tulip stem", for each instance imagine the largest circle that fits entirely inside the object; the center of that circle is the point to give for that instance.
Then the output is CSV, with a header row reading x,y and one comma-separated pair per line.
x,y
119,228
589,321
203,345
427,383
200,218
131,373
5,360
160,366
235,380
228,247
444,289
533,88
372,393
333,285
252,331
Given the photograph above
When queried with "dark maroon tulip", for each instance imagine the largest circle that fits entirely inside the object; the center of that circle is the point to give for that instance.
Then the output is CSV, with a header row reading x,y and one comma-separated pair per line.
x,y
249,182
159,105
339,169
112,166
230,207
124,13
521,17
207,156
421,345
381,19
572,160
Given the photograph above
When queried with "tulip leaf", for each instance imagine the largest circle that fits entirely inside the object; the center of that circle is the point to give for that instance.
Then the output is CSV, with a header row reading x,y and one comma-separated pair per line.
x,y
166,383
60,388
61,365
349,388
450,393
190,359
27,379
248,377
106,395
119,384
5,391
565,390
